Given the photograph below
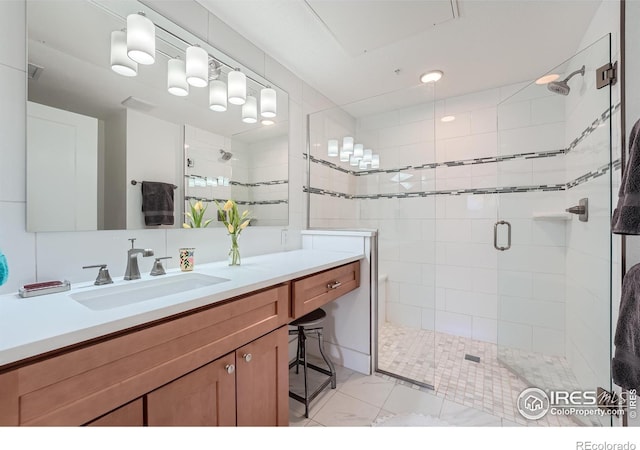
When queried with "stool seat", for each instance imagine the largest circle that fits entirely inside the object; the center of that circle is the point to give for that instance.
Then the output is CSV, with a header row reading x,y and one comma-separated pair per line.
x,y
311,319
308,325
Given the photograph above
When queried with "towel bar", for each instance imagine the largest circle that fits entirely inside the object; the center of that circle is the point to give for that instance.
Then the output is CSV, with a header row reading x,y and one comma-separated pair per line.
x,y
134,182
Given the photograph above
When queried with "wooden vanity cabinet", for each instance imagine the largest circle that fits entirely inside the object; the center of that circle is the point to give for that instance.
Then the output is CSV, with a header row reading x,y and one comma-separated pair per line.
x,y
248,387
129,415
204,397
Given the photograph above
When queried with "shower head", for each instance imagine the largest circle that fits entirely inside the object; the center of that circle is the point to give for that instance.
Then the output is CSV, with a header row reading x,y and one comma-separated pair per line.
x,y
225,156
562,87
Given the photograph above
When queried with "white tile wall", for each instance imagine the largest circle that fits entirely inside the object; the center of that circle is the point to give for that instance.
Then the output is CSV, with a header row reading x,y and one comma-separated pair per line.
x,y
12,126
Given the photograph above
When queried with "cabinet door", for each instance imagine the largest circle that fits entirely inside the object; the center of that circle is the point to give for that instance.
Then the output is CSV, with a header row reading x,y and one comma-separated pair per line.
x,y
129,415
204,397
262,381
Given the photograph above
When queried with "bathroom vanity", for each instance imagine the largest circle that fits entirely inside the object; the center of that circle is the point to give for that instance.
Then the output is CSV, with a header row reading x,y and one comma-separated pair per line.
x,y
212,355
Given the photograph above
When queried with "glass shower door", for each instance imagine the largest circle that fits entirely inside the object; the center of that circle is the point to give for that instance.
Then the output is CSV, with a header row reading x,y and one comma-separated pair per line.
x,y
554,153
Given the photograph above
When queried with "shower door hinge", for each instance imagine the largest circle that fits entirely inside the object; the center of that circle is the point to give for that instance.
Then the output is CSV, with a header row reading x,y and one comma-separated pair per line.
x,y
607,75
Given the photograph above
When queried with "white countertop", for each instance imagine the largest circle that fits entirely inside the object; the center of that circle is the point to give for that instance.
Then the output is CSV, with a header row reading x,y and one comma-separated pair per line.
x,y
32,326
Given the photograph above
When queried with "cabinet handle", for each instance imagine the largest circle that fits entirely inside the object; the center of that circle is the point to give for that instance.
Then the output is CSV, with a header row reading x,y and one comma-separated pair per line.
x,y
334,285
230,368
247,357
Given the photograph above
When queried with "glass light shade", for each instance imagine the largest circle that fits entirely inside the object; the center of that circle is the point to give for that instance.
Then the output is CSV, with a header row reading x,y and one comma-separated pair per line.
x,y
250,110
141,39
197,66
268,102
375,161
344,157
176,78
120,62
353,161
362,165
358,151
332,147
237,89
218,95
347,144
366,157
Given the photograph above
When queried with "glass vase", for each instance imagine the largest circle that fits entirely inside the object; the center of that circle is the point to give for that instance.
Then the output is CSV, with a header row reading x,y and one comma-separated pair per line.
x,y
234,251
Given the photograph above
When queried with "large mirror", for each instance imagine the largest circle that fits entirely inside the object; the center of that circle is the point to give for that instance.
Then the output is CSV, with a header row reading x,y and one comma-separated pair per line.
x,y
93,135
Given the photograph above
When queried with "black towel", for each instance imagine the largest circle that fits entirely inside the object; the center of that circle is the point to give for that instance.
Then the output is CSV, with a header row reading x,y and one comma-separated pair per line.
x,y
157,203
625,366
626,216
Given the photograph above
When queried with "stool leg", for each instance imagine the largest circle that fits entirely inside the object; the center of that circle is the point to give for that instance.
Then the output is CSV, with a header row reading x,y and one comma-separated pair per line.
x,y
306,385
332,369
300,337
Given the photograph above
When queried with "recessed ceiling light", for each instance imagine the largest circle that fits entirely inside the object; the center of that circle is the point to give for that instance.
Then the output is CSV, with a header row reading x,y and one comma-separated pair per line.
x,y
547,78
434,75
448,119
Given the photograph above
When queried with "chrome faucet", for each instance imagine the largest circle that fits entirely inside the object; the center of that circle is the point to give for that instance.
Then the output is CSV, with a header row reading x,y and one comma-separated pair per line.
x,y
133,272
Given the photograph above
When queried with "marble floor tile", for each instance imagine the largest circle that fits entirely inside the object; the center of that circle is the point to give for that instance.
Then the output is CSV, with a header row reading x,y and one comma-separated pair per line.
x,y
371,389
461,416
403,399
343,410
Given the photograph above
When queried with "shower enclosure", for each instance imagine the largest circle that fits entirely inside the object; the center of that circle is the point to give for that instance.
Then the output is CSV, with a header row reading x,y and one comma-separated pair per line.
x,y
487,285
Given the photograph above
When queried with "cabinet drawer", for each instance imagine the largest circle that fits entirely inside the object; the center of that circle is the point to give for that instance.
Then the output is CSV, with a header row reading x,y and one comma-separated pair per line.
x,y
319,289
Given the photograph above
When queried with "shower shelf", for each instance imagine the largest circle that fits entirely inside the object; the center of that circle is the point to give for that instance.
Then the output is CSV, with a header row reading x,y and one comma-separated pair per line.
x,y
551,216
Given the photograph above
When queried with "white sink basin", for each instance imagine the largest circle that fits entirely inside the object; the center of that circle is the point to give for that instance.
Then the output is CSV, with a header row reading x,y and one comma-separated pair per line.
x,y
110,297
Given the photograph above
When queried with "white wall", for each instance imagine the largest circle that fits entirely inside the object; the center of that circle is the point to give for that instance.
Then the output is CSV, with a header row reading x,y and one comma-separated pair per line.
x,y
154,153
42,256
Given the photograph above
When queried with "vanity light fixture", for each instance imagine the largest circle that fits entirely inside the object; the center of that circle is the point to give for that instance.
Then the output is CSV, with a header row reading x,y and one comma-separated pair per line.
x,y
237,89
363,164
217,95
177,78
344,156
197,66
250,110
141,39
375,161
368,155
431,76
546,79
332,147
347,144
358,151
268,102
353,161
120,62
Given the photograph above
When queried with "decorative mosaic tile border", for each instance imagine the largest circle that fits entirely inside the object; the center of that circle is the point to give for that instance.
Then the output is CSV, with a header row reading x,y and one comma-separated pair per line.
x,y
239,202
238,183
259,183
606,115
475,191
462,162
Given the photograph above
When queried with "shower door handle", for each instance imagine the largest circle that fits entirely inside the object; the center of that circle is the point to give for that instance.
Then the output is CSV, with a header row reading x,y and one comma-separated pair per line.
x,y
495,235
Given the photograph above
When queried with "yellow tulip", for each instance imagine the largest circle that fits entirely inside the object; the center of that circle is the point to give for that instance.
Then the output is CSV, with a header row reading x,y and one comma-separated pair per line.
x,y
230,228
198,206
227,206
186,225
244,225
245,213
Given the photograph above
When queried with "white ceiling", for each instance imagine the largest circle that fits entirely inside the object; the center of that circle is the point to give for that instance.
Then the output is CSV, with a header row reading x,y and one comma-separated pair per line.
x,y
355,49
